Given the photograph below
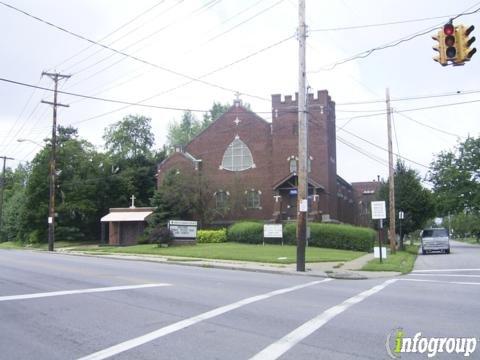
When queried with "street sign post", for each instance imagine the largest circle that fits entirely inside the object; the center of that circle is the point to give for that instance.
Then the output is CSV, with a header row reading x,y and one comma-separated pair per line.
x,y
379,212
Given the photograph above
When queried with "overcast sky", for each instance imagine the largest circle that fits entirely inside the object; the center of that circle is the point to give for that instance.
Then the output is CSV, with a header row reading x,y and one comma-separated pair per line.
x,y
188,39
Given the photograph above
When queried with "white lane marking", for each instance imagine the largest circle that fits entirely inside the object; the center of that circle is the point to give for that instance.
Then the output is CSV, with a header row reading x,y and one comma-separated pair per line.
x,y
130,344
446,270
277,349
74,292
443,282
450,275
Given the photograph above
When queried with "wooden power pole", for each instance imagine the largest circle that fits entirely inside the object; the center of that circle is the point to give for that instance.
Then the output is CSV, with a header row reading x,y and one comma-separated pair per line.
x,y
302,193
5,158
51,207
391,178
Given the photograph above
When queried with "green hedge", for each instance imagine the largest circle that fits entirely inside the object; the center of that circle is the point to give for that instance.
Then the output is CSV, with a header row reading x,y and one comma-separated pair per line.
x,y
246,232
336,236
333,236
211,236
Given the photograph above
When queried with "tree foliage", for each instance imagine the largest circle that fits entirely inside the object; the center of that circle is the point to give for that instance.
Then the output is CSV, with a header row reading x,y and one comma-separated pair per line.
x,y
455,176
182,132
465,225
410,197
182,196
130,137
88,183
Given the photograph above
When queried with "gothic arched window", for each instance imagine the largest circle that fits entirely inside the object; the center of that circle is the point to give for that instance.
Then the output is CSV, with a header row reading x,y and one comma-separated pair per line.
x,y
237,157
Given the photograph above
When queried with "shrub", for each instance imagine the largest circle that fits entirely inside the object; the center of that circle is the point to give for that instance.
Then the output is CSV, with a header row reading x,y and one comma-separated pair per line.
x,y
246,232
158,235
336,236
211,236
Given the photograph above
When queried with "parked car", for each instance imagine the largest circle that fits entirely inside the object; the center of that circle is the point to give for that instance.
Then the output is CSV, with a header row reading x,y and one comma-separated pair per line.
x,y
435,240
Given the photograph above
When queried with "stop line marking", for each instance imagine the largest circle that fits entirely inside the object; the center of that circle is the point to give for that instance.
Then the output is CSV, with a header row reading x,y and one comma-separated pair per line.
x,y
447,275
442,282
443,270
81,291
133,343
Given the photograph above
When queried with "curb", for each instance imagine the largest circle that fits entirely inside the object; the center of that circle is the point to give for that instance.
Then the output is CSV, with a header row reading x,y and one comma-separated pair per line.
x,y
193,264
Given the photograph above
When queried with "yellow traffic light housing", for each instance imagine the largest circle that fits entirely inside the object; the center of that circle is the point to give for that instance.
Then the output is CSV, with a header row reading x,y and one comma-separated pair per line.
x,y
440,47
464,52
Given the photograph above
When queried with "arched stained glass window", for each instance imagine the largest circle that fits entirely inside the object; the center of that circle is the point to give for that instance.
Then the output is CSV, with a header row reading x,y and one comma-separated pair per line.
x,y
237,157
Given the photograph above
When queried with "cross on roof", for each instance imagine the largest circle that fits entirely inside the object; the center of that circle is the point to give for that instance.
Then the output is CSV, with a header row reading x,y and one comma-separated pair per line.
x,y
133,202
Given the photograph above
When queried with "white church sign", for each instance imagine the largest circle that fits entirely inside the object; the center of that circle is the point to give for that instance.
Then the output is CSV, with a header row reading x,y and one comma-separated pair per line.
x,y
181,229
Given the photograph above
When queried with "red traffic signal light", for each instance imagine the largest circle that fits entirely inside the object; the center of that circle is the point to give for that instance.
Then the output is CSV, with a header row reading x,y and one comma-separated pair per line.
x,y
448,29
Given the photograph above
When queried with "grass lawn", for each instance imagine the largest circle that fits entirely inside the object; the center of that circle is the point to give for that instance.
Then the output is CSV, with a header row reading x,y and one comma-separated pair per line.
x,y
401,261
234,251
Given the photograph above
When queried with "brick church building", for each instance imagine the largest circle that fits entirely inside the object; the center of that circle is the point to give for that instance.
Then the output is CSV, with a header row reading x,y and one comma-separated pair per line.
x,y
250,164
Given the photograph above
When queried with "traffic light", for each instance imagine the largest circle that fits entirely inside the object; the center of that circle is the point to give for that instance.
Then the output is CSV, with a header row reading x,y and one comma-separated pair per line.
x,y
440,47
464,53
447,50
450,42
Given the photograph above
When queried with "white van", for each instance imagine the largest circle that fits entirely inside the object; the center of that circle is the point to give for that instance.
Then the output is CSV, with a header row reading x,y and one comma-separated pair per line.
x,y
435,240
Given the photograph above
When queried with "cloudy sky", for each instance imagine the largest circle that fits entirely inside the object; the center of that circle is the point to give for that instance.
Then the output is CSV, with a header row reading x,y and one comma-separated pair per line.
x,y
247,46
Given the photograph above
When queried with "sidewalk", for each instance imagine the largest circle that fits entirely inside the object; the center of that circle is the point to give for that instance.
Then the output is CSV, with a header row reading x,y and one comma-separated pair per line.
x,y
336,270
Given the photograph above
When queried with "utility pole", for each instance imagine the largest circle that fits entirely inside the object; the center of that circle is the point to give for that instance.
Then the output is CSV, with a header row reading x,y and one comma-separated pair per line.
x,y
391,181
302,193
5,158
51,207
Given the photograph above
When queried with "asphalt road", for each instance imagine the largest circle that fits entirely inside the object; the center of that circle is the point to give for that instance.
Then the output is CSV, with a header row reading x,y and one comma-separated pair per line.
x,y
55,306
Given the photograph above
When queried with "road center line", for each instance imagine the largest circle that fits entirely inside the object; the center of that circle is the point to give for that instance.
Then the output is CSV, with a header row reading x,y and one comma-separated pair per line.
x,y
81,291
444,270
130,344
277,349
442,282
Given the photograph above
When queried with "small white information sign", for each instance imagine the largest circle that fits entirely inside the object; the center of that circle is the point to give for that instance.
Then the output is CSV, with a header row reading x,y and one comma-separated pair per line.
x,y
50,220
183,229
378,210
272,231
376,252
304,205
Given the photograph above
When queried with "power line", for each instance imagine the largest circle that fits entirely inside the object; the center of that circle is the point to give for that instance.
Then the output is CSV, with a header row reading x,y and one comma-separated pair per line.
x,y
111,33
362,151
136,42
102,99
355,27
395,43
241,23
428,126
382,148
408,98
189,82
174,72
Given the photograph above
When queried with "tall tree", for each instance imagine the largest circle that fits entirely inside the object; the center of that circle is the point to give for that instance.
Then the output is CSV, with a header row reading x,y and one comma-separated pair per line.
x,y
130,137
14,202
180,133
410,197
132,160
455,176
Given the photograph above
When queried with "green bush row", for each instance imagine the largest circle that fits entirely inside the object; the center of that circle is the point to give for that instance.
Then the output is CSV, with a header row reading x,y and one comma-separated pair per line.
x,y
336,236
211,236
248,232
